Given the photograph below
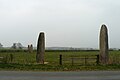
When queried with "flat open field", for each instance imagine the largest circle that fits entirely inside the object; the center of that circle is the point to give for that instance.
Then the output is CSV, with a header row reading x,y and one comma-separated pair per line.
x,y
51,57
23,60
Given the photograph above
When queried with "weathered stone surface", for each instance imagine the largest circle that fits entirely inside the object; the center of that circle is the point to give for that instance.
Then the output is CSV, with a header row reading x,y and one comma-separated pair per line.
x,y
40,49
104,54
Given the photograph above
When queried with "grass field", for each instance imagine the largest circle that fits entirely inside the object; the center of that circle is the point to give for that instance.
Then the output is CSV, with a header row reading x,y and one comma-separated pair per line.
x,y
27,61
50,57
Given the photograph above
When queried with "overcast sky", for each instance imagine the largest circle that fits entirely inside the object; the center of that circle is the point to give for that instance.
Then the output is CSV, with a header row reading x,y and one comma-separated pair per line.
x,y
66,23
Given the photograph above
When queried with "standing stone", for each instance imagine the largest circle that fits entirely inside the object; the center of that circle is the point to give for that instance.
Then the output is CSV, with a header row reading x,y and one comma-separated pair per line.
x,y
30,48
104,55
40,49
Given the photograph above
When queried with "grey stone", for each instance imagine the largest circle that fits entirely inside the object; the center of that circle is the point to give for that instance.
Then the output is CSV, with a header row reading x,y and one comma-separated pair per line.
x,y
30,48
104,48
40,48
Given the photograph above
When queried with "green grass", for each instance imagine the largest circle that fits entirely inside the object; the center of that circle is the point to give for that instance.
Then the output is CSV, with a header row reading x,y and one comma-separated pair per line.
x,y
40,67
27,61
50,57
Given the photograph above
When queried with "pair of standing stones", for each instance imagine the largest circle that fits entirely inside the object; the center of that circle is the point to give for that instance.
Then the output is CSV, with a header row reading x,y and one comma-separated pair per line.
x,y
103,44
30,48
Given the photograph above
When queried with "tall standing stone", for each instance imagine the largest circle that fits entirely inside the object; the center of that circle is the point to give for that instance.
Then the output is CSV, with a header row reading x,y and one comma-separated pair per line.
x,y
40,48
104,55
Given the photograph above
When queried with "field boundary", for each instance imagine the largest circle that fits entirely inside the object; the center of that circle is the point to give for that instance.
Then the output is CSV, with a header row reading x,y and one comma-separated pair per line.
x,y
82,58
